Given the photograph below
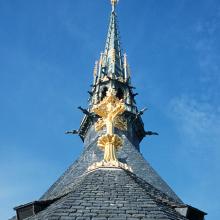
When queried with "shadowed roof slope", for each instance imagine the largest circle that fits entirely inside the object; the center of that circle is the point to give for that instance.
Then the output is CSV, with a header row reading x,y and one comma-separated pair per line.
x,y
92,154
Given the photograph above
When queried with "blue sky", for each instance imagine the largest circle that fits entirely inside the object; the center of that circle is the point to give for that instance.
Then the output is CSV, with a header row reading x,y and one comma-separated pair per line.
x,y
47,53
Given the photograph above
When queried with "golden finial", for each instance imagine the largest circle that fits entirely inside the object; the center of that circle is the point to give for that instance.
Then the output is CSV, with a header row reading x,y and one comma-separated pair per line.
x,y
114,3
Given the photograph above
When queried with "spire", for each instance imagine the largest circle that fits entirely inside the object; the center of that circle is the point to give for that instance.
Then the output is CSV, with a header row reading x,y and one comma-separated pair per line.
x,y
122,175
112,69
112,60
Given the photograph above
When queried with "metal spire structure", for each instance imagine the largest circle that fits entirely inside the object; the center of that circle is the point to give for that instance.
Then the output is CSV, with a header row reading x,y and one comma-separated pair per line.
x,y
113,58
113,65
111,180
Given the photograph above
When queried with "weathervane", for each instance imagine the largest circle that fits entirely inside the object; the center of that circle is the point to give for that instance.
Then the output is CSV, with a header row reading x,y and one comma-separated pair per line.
x,y
110,110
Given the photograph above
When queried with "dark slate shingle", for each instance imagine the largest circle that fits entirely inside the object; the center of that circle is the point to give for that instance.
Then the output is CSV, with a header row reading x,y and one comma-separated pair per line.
x,y
91,154
111,194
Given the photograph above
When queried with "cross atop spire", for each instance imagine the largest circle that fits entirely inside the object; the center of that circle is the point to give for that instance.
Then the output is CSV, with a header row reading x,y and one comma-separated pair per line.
x,y
114,3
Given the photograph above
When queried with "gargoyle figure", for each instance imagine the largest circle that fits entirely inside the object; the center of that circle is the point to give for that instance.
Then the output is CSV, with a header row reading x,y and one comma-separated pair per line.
x,y
135,94
90,93
150,133
72,132
85,111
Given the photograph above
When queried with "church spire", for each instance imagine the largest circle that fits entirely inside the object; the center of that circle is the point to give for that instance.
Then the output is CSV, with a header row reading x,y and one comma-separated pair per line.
x,y
113,56
112,59
112,72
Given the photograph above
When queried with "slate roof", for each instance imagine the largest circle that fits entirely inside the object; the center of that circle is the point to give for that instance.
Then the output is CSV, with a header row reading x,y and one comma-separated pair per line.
x,y
111,194
129,153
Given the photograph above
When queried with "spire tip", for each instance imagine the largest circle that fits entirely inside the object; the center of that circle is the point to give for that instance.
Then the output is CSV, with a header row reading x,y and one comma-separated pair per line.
x,y
114,3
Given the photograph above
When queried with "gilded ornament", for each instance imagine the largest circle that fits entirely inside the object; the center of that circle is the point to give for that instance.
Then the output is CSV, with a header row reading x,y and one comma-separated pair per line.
x,y
110,110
